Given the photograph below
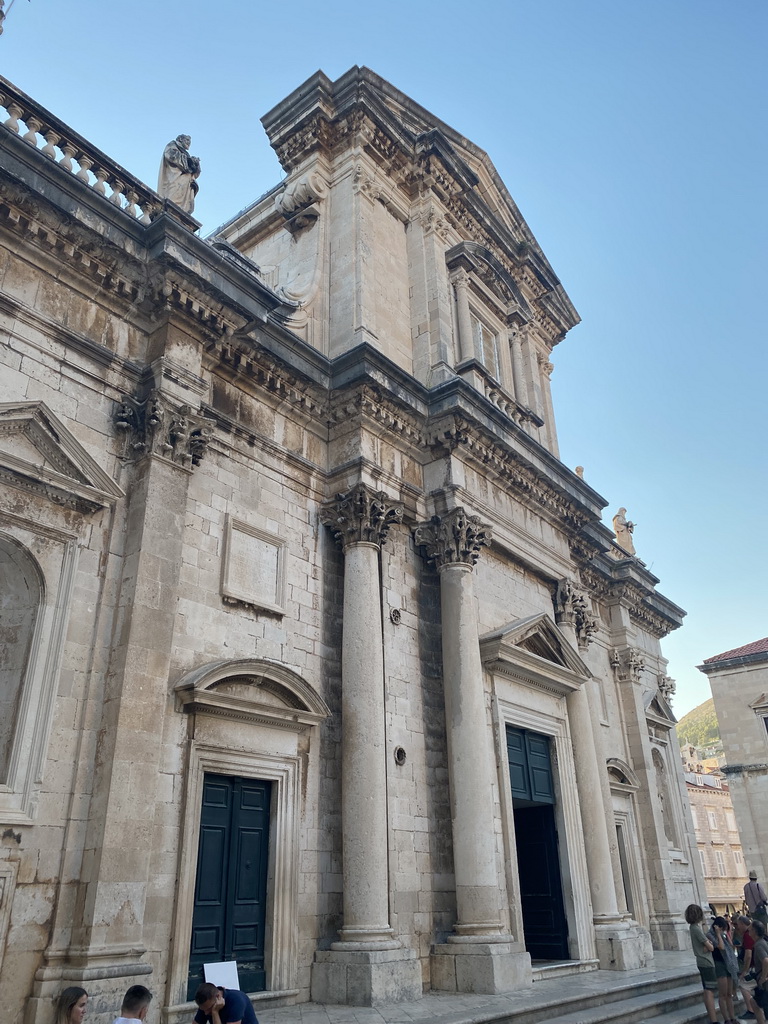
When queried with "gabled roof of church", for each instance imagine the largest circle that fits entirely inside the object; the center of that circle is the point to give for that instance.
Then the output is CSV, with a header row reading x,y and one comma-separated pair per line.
x,y
325,116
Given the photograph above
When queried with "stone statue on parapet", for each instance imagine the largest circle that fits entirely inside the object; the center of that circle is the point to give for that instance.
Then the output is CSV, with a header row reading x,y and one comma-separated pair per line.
x,y
178,173
624,529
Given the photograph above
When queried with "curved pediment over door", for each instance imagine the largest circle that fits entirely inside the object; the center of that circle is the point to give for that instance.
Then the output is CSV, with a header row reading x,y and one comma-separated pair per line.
x,y
251,690
536,651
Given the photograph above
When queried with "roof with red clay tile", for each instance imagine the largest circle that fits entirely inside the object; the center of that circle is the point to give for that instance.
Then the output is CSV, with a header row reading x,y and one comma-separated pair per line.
x,y
756,647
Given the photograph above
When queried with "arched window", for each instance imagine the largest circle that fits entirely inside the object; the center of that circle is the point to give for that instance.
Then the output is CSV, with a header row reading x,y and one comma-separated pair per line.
x,y
20,599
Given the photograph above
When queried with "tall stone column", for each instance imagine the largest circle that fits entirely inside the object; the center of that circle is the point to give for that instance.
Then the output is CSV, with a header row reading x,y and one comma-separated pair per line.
x,y
518,369
549,413
477,957
621,944
368,964
463,318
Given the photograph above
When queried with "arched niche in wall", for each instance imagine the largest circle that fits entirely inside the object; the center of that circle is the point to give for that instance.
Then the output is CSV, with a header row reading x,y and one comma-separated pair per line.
x,y
51,489
21,595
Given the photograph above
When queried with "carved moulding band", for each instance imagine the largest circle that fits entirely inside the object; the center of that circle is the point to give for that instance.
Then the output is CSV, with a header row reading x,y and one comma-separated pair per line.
x,y
362,516
455,538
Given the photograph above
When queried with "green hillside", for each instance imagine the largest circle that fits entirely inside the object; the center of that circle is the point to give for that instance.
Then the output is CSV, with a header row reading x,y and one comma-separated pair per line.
x,y
699,726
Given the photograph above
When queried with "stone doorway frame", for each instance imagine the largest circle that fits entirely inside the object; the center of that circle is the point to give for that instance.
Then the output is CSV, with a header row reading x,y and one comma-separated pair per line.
x,y
573,864
303,708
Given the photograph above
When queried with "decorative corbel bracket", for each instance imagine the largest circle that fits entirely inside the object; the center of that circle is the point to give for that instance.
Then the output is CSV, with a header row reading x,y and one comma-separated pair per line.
x,y
628,665
572,609
156,426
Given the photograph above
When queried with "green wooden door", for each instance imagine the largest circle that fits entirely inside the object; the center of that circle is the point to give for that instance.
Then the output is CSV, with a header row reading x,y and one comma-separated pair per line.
x,y
229,917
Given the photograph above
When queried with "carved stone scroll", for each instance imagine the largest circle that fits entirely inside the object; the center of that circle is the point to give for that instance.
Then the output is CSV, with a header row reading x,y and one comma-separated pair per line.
x,y
572,609
454,537
627,665
155,426
361,516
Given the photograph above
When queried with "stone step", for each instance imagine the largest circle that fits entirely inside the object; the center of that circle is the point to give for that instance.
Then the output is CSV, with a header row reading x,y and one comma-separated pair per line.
x,y
677,1005
616,995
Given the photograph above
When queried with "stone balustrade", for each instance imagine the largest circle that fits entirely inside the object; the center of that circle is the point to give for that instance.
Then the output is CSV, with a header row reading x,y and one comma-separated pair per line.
x,y
56,140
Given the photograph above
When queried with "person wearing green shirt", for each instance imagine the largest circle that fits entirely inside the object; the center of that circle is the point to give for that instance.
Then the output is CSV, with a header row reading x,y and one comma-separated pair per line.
x,y
702,950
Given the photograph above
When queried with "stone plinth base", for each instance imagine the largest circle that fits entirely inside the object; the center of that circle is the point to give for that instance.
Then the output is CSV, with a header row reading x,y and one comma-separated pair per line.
x,y
105,974
670,932
482,967
365,977
623,947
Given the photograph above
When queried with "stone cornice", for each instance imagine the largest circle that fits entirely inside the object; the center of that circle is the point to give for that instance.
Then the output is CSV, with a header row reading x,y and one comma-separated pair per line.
x,y
759,768
727,664
630,584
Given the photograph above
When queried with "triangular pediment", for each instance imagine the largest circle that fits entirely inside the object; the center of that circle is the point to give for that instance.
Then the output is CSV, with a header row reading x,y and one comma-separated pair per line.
x,y
37,452
760,706
536,649
658,710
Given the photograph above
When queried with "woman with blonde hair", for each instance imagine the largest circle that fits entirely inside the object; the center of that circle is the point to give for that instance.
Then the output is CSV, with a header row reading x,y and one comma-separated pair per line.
x,y
70,1006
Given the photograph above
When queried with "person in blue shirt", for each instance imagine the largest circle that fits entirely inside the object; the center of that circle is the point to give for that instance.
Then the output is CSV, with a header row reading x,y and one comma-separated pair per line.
x,y
223,1006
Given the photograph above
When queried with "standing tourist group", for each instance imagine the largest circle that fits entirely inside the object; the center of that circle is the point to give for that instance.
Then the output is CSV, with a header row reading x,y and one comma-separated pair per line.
x,y
732,956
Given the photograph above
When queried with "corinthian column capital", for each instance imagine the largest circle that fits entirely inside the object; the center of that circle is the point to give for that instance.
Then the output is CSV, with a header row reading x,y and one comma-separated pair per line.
x,y
361,516
453,538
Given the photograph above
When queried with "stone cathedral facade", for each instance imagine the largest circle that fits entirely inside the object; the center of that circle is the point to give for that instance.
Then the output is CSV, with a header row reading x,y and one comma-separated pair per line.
x,y
315,655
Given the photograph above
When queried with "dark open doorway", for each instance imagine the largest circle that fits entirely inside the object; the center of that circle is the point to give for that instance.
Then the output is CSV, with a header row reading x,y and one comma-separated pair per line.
x,y
545,926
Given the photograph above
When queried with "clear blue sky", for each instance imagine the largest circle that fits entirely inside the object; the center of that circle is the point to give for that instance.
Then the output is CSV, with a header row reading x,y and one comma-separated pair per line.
x,y
631,133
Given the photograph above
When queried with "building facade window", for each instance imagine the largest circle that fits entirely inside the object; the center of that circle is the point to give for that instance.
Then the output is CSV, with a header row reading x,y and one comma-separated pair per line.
x,y
712,819
720,863
486,345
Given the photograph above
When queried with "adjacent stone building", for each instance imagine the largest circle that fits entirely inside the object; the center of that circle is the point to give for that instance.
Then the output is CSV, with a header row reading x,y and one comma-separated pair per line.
x,y
739,683
717,835
316,656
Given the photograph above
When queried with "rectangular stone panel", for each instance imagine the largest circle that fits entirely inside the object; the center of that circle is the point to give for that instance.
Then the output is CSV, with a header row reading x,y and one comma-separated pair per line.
x,y
253,570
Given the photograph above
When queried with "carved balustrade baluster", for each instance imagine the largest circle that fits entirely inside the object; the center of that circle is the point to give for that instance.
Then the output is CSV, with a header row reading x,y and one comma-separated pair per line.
x,y
117,187
131,198
34,124
149,208
15,112
51,139
85,164
69,151
101,177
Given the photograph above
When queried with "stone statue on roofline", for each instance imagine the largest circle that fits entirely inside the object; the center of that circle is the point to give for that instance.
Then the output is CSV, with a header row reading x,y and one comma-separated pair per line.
x,y
178,173
623,530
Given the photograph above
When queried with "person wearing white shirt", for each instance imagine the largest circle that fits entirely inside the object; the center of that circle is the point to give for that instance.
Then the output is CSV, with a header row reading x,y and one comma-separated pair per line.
x,y
135,1005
